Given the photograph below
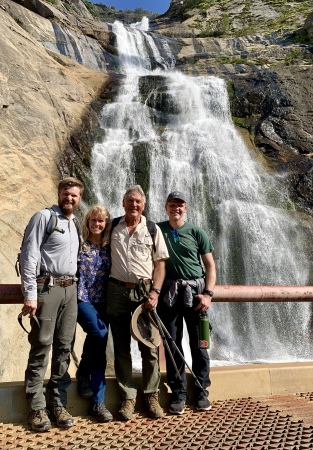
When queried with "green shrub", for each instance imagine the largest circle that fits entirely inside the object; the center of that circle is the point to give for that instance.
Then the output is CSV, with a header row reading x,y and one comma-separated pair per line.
x,y
292,56
239,122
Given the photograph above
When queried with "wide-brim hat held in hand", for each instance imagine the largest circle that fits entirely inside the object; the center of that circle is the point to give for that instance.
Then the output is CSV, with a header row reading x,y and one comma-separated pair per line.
x,y
143,328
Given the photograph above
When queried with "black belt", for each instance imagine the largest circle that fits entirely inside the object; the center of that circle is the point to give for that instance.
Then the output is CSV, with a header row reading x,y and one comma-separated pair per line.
x,y
63,282
126,284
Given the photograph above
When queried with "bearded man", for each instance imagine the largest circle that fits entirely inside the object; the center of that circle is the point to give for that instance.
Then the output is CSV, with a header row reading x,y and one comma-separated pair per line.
x,y
48,269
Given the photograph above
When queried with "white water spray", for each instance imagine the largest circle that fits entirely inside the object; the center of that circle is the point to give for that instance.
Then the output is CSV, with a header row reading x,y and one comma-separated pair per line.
x,y
244,210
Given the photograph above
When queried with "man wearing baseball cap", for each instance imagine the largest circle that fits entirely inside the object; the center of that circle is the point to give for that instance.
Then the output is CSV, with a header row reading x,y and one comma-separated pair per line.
x,y
187,291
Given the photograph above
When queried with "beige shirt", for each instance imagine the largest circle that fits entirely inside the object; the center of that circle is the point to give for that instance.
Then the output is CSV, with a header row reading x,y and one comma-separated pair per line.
x,y
133,256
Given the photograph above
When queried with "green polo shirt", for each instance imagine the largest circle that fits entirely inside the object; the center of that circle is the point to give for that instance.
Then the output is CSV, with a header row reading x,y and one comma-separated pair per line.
x,y
185,254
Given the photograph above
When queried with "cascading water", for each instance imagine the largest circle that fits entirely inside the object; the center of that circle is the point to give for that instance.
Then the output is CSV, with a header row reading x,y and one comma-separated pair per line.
x,y
194,147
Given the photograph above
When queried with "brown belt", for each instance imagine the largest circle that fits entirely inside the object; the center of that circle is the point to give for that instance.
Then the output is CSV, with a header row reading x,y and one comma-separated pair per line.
x,y
126,284
57,282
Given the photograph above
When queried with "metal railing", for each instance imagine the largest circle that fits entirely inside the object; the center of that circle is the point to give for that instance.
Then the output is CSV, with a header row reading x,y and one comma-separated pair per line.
x,y
11,294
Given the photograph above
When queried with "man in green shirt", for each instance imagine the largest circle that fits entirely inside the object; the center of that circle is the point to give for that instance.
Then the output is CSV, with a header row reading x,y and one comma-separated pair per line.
x,y
187,291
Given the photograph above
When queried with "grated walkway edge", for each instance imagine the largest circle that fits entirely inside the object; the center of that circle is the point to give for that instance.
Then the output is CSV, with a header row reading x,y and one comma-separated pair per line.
x,y
276,422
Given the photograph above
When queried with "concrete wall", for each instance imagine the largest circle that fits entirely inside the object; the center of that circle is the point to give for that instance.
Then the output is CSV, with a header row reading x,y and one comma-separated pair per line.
x,y
257,380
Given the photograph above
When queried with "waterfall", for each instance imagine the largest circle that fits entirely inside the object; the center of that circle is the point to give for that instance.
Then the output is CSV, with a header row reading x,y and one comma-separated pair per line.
x,y
182,128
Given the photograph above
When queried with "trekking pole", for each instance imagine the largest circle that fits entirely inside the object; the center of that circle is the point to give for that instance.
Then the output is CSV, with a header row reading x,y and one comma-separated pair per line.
x,y
162,327
157,321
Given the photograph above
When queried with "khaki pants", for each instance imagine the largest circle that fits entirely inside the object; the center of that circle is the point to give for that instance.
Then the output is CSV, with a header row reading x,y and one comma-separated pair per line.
x,y
121,305
57,315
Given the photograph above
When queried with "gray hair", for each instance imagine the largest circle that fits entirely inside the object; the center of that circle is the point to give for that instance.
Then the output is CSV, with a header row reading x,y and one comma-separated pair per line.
x,y
136,188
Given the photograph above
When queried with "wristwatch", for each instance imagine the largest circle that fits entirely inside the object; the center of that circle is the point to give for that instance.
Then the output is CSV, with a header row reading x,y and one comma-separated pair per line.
x,y
210,293
158,291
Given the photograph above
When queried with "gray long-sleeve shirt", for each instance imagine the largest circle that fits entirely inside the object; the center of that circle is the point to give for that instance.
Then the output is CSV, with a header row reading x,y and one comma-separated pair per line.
x,y
58,255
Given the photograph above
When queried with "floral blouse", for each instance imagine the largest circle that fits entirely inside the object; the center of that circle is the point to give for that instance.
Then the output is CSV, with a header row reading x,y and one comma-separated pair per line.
x,y
93,272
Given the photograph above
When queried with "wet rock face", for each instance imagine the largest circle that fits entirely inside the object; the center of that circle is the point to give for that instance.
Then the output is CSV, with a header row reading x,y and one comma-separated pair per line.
x,y
76,157
154,94
305,33
275,107
277,102
303,189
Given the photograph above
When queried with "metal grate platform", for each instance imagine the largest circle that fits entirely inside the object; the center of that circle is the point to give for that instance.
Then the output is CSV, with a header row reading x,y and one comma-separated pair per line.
x,y
278,422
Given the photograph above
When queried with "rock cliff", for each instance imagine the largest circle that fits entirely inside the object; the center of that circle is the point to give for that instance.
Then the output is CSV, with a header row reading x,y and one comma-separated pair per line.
x,y
45,100
59,65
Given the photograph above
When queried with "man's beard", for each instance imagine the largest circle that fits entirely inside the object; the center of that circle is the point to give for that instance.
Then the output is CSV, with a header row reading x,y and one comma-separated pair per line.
x,y
67,208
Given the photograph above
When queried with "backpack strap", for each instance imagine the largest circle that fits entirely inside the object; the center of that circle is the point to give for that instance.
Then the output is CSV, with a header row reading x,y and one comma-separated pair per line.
x,y
51,226
152,230
80,236
114,222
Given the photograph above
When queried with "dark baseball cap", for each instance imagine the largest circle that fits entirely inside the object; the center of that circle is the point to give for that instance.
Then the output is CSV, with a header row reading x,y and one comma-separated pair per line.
x,y
176,195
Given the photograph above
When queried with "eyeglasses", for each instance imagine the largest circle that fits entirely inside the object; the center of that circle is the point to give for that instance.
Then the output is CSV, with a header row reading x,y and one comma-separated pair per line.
x,y
176,235
20,317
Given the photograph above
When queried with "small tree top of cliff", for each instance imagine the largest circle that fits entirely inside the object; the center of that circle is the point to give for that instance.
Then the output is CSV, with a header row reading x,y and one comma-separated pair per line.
x,y
110,14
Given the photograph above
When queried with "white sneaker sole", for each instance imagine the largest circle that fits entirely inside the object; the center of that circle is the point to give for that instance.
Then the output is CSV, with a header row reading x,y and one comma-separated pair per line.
x,y
203,409
178,413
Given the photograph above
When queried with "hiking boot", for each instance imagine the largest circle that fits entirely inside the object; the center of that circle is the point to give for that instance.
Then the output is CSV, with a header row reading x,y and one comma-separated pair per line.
x,y
39,420
127,409
100,412
203,403
154,409
61,416
177,406
84,385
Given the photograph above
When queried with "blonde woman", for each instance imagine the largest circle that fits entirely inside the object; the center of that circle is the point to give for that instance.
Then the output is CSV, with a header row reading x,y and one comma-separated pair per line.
x,y
93,272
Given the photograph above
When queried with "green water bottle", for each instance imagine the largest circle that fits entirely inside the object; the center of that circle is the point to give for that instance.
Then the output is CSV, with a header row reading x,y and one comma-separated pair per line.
x,y
204,331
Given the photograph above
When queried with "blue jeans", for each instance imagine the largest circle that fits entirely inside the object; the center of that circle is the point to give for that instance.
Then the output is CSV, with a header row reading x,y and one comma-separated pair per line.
x,y
93,320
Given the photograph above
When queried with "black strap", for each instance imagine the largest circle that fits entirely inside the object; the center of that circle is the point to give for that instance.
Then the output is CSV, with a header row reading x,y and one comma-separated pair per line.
x,y
152,230
51,226
20,317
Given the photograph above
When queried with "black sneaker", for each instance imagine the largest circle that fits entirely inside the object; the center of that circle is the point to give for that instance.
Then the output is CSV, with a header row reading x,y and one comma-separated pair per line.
x,y
84,385
39,420
100,412
203,403
177,406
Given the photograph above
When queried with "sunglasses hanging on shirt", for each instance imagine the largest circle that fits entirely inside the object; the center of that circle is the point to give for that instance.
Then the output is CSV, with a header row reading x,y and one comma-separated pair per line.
x,y
176,235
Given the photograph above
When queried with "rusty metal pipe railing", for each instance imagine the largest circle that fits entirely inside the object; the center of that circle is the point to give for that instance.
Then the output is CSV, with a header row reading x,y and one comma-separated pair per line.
x,y
234,293
11,294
